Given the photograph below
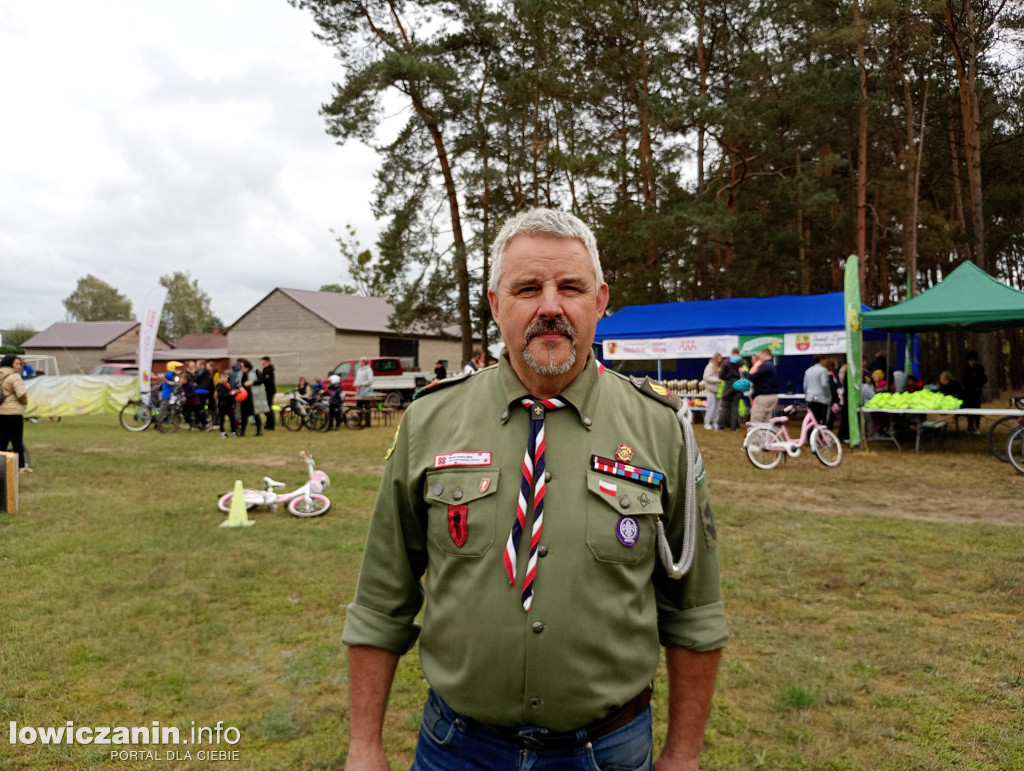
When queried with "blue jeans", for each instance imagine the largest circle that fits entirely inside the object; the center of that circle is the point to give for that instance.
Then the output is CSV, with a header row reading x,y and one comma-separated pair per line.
x,y
448,742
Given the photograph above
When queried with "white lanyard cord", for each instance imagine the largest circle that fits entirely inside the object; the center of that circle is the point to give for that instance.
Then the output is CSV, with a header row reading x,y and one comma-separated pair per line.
x,y
679,569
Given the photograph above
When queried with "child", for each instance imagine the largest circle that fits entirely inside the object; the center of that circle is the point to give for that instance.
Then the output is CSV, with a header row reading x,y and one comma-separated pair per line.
x,y
226,403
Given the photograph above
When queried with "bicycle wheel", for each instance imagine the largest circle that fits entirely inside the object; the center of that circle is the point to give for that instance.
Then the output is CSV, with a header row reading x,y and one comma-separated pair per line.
x,y
826,446
354,420
136,416
317,418
314,507
999,432
290,419
757,441
1015,448
224,503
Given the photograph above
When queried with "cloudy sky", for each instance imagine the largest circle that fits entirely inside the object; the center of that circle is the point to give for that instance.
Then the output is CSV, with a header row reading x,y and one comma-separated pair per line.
x,y
140,138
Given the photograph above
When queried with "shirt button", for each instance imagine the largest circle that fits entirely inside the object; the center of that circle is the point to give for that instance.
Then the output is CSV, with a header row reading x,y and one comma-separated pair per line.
x,y
538,627
547,476
542,551
587,421
457,495
534,703
504,415
438,488
624,502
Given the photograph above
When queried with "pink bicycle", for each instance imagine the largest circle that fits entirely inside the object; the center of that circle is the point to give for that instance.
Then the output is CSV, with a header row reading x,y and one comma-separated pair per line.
x,y
306,501
766,444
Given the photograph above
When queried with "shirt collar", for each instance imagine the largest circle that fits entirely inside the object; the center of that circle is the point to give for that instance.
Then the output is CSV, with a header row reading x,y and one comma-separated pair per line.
x,y
581,393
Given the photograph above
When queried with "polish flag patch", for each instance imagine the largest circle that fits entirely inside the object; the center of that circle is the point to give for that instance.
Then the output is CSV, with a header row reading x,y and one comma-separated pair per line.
x,y
608,488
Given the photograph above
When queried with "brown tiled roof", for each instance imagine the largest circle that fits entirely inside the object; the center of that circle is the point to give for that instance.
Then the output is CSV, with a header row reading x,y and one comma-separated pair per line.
x,y
345,311
202,340
352,313
79,334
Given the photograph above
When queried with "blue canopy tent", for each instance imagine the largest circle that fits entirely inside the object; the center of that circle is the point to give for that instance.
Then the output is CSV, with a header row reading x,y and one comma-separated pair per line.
x,y
687,333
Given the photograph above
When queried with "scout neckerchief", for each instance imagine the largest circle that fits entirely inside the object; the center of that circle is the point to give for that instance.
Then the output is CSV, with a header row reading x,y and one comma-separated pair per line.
x,y
533,479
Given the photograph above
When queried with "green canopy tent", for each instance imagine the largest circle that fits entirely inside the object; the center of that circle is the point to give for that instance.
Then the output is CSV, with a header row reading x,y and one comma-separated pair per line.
x,y
968,298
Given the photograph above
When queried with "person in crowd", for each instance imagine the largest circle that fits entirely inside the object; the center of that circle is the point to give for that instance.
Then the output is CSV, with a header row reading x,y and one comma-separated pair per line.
x,y
335,400
711,381
539,663
205,388
304,389
226,403
475,363
169,381
835,387
235,374
949,386
880,364
440,371
844,413
765,387
817,388
364,380
729,405
269,378
190,401
867,388
13,402
250,378
973,383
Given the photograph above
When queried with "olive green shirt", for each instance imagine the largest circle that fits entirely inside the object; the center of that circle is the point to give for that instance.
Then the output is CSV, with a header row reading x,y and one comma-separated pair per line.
x,y
590,641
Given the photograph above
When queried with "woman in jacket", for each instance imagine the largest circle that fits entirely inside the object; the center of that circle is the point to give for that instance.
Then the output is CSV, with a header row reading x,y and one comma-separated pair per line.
x,y
711,381
12,408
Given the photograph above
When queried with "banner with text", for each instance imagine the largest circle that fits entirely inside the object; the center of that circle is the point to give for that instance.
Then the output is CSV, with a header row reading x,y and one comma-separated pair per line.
x,y
800,343
670,347
148,326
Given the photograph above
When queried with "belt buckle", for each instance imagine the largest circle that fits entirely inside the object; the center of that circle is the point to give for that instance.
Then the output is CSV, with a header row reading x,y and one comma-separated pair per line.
x,y
530,742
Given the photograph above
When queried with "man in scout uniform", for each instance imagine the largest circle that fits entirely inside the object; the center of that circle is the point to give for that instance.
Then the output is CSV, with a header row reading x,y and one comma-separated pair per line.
x,y
549,575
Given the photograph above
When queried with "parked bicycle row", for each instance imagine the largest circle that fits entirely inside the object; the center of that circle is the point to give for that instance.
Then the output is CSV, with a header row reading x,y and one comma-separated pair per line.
x,y
322,409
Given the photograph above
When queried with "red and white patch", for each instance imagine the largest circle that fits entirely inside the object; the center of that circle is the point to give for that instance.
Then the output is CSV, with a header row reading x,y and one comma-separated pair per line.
x,y
484,484
608,488
462,459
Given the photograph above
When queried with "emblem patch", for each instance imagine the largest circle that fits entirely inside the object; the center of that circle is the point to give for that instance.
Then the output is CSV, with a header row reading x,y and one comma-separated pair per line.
x,y
457,524
643,500
484,484
462,459
624,453
628,531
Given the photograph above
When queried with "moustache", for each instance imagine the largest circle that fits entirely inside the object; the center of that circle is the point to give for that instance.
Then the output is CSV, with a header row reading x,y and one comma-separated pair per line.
x,y
558,324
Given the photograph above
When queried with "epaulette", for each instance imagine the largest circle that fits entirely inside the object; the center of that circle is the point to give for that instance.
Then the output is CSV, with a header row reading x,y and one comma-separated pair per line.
x,y
656,390
437,385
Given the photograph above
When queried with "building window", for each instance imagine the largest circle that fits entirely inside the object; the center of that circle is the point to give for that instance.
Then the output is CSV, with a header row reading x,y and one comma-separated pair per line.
x,y
403,348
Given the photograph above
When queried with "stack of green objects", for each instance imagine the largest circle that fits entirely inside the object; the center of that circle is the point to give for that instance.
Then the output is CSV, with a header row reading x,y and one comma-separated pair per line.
x,y
931,401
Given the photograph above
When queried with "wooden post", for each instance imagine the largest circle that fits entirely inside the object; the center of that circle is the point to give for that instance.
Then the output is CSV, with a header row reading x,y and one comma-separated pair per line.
x,y
9,482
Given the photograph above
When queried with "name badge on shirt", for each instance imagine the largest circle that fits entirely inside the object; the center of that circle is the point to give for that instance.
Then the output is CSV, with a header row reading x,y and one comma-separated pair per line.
x,y
448,459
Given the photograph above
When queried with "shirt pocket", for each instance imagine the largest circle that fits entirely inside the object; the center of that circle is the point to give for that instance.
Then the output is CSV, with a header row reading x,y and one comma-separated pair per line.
x,y
621,518
462,516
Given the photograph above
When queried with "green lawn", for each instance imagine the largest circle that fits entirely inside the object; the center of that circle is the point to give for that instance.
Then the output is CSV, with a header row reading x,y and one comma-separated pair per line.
x,y
875,609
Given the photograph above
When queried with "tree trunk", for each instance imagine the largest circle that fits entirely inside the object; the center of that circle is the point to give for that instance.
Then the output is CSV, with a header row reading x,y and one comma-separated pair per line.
x,y
458,242
862,150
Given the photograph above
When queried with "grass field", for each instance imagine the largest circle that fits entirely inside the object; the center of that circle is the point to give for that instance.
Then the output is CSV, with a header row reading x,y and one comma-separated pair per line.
x,y
875,609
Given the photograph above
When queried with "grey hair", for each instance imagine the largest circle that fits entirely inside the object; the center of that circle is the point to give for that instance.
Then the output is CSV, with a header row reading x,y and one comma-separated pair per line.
x,y
542,222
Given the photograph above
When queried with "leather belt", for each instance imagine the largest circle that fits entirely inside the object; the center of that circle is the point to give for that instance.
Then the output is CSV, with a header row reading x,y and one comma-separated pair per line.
x,y
571,740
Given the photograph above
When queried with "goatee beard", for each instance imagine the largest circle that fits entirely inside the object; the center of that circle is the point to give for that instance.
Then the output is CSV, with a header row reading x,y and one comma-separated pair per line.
x,y
539,327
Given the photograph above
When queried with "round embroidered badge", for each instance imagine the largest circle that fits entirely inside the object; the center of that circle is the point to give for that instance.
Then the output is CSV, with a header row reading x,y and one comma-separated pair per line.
x,y
628,531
